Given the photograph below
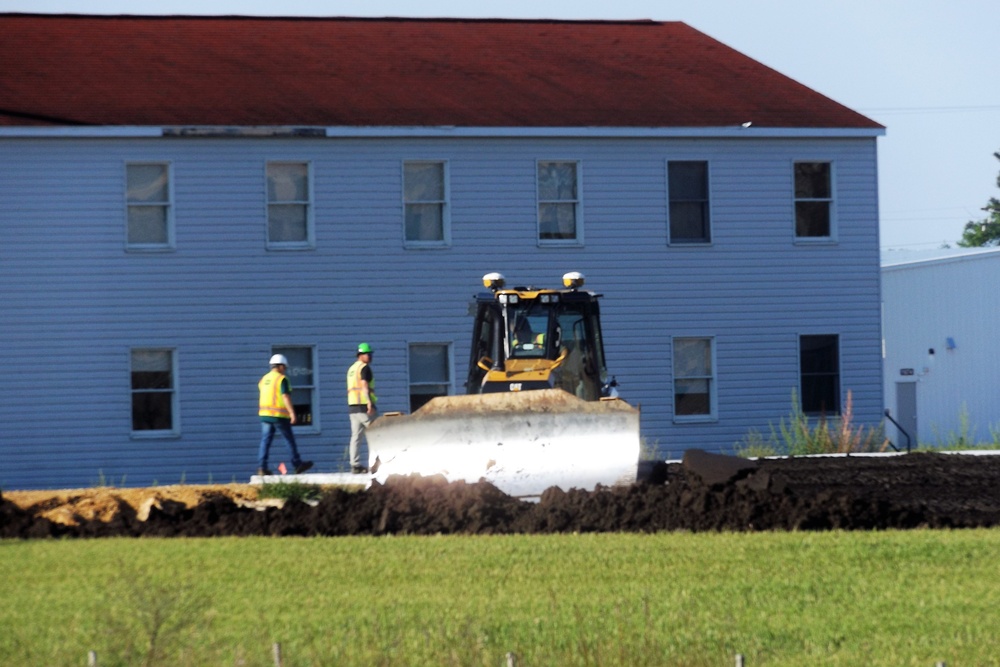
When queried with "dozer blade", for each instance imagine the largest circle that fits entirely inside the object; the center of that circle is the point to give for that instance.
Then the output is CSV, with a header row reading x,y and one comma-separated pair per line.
x,y
521,442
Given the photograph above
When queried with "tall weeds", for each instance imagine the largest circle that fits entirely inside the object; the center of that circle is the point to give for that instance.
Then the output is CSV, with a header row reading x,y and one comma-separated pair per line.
x,y
799,435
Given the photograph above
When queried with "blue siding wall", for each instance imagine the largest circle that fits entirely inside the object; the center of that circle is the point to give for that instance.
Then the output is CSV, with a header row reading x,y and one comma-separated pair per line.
x,y
75,301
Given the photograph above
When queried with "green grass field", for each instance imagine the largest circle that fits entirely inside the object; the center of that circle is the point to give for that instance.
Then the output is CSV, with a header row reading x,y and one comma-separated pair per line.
x,y
898,598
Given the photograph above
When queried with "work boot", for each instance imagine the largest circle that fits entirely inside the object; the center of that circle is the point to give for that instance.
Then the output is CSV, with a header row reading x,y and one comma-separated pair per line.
x,y
264,471
359,470
302,467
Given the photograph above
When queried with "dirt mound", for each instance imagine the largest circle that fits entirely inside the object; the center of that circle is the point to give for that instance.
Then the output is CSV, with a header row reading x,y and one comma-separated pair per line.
x,y
71,506
704,493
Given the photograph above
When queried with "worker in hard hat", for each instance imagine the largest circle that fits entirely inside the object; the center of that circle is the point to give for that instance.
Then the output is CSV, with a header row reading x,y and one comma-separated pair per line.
x,y
277,414
361,401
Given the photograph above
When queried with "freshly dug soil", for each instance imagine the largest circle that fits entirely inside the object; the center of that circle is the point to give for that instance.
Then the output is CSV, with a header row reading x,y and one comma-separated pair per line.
x,y
705,492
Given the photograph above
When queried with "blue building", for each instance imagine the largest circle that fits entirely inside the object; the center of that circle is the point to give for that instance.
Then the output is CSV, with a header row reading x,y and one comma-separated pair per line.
x,y
182,197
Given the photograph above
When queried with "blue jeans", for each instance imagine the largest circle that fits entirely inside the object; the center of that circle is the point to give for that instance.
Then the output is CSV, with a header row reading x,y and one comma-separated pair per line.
x,y
267,430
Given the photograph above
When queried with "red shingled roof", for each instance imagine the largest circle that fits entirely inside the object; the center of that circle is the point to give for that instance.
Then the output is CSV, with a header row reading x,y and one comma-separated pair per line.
x,y
242,71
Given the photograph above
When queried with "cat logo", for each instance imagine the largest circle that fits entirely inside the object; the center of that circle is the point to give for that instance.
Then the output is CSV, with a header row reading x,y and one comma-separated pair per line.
x,y
515,386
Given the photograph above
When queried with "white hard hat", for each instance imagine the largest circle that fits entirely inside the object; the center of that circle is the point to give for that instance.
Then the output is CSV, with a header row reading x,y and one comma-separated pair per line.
x,y
279,359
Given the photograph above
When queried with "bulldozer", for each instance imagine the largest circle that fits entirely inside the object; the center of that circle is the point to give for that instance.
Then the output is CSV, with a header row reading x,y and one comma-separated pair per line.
x,y
540,410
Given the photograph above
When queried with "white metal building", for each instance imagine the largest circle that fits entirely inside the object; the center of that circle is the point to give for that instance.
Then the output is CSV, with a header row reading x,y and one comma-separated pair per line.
x,y
941,317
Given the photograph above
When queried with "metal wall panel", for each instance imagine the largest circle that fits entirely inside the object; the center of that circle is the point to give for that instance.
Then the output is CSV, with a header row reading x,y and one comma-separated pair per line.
x,y
949,304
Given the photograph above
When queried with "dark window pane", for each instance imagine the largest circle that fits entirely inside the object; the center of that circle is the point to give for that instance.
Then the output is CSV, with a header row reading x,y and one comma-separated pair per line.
x,y
692,397
151,379
688,222
301,379
688,180
818,354
152,411
303,408
420,395
820,395
812,180
688,185
152,390
812,218
819,364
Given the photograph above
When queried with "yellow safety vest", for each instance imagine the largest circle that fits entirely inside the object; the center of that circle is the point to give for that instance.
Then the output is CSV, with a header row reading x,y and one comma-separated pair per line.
x,y
354,394
271,402
539,339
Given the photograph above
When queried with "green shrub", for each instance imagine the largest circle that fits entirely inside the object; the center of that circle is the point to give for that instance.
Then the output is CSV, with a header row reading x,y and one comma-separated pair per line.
x,y
290,491
755,446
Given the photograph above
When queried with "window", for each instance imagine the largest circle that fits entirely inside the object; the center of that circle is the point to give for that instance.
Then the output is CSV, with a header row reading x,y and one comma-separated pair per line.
x,y
559,202
430,372
425,201
687,183
813,200
302,380
694,377
819,368
289,213
150,214
154,392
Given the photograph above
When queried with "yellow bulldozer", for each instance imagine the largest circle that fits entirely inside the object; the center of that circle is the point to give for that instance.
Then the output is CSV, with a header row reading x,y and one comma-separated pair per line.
x,y
540,409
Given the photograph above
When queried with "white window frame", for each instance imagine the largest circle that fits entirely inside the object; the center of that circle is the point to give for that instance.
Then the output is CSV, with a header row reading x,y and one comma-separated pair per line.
x,y
707,201
168,205
712,378
174,390
310,241
577,240
296,384
831,202
449,356
445,204
839,374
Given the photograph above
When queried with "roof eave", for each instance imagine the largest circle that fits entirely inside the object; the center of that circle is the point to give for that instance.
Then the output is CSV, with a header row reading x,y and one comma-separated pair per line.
x,y
216,131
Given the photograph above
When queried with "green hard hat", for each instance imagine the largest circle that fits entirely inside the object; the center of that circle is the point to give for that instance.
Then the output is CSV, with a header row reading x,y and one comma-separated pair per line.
x,y
364,348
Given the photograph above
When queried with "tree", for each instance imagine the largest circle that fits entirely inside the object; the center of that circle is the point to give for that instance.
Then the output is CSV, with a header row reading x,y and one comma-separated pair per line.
x,y
985,232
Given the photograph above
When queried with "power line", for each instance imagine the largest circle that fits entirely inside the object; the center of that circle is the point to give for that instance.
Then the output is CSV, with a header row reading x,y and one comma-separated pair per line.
x,y
928,110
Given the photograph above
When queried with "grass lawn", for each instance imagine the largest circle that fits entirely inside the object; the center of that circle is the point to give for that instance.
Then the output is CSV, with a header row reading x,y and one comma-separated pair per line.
x,y
896,598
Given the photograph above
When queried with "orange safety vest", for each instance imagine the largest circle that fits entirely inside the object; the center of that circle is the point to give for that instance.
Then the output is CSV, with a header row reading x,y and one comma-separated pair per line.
x,y
354,393
271,402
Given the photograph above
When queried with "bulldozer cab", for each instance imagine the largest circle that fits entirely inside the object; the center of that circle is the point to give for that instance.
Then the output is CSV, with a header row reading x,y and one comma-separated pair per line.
x,y
526,338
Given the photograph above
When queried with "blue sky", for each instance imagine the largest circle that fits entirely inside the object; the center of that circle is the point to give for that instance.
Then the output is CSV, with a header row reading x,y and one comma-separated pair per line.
x,y
923,68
